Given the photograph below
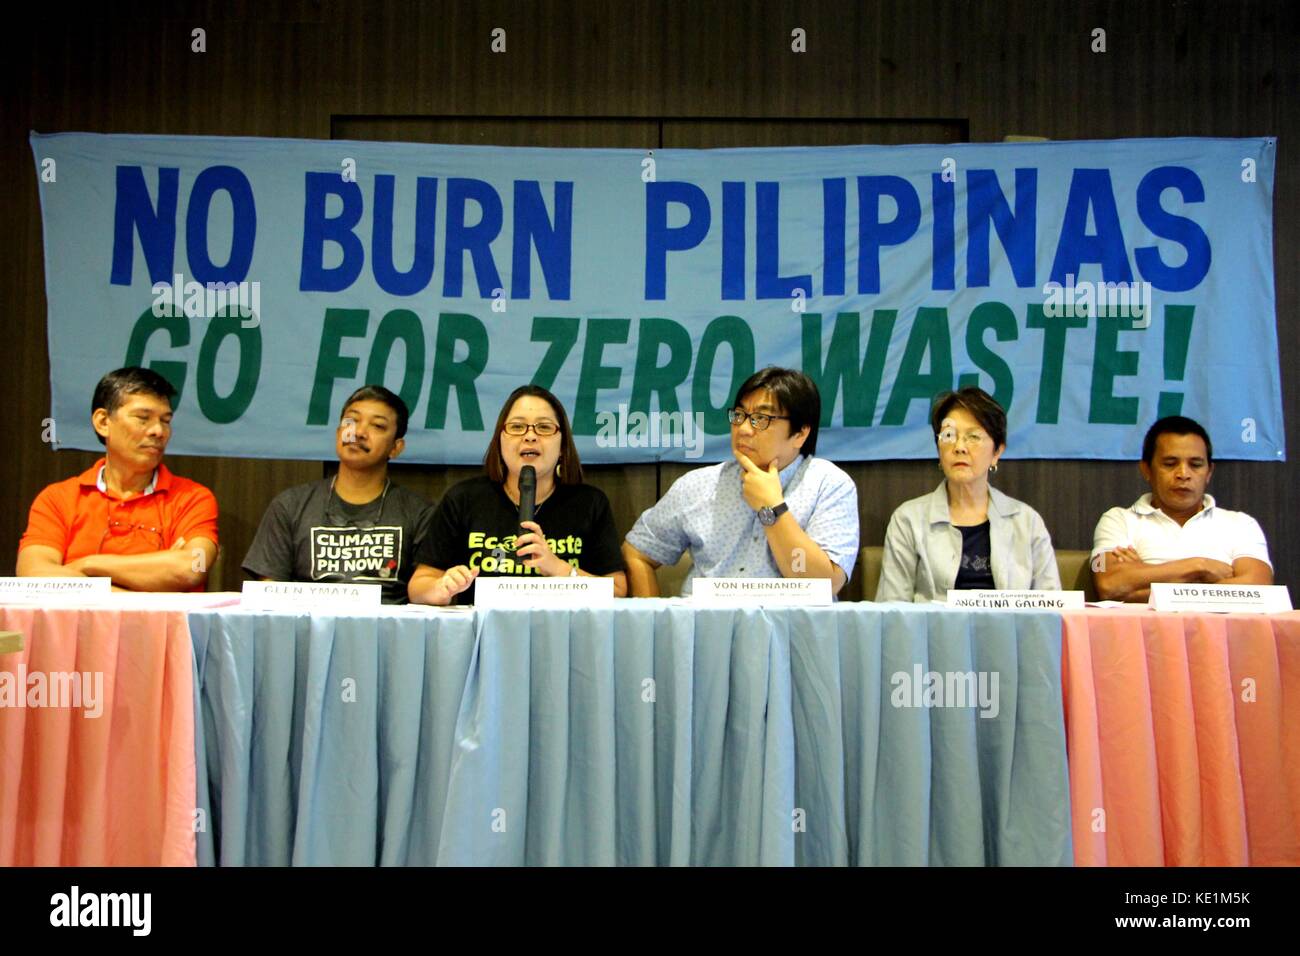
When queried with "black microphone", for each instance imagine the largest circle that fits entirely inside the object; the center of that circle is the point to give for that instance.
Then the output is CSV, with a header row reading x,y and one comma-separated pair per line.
x,y
527,494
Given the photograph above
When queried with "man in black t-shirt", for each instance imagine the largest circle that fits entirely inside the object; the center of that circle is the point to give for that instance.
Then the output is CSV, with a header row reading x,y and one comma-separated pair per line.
x,y
356,527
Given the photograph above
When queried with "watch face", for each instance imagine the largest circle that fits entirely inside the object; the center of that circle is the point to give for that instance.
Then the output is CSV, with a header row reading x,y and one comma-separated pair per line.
x,y
766,516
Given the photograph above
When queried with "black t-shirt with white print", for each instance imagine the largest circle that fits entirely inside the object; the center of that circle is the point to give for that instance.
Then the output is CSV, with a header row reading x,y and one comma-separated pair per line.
x,y
310,534
476,525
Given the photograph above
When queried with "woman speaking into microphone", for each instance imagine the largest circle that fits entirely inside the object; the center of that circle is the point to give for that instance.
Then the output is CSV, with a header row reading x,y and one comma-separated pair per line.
x,y
529,514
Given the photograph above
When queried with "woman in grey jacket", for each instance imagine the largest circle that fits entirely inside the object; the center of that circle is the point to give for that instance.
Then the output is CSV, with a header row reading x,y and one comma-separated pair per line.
x,y
966,534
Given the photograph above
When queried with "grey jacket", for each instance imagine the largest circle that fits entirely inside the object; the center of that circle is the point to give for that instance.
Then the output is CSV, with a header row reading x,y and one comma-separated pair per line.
x,y
923,548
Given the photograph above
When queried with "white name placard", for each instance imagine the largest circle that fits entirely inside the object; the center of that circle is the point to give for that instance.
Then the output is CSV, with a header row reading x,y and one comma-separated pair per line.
x,y
306,596
1221,598
777,592
568,592
1018,600
57,590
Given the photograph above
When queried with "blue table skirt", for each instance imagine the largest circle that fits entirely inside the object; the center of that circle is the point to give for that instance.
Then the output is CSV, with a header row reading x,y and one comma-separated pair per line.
x,y
650,733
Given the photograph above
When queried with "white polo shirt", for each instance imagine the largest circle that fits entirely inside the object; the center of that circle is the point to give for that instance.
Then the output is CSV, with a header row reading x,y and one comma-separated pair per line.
x,y
1213,532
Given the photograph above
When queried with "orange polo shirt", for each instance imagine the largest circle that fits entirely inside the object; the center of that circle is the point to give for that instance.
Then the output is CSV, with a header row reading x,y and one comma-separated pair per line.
x,y
76,519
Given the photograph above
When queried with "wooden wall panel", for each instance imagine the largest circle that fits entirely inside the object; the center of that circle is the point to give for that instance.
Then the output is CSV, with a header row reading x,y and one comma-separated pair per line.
x,y
609,72
572,132
722,133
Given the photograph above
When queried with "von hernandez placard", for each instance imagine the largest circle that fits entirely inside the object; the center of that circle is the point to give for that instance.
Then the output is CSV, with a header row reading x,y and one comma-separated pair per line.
x,y
1090,286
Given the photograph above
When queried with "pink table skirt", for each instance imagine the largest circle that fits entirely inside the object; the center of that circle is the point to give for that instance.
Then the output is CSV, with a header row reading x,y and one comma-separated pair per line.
x,y
109,782
1183,732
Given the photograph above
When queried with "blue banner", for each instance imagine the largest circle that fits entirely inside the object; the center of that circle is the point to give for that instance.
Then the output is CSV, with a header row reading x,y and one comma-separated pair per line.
x,y
1089,286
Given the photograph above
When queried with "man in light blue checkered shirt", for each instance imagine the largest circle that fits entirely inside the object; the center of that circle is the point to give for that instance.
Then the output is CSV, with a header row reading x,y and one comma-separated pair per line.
x,y
776,511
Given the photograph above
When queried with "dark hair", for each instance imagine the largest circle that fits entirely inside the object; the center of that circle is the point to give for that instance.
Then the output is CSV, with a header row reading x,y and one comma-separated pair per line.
x,y
377,393
1175,425
114,387
797,395
568,465
982,406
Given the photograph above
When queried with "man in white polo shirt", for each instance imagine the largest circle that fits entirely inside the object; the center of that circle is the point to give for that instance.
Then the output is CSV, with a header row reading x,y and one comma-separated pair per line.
x,y
1176,534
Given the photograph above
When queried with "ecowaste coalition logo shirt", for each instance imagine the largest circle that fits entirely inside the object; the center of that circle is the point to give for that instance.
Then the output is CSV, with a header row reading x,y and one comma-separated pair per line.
x,y
476,526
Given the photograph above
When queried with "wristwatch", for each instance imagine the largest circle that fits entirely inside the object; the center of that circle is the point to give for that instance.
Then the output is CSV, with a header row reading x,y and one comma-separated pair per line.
x,y
767,516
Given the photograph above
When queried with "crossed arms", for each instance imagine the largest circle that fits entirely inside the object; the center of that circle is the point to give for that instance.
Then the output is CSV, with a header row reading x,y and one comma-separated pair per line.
x,y
1124,576
183,567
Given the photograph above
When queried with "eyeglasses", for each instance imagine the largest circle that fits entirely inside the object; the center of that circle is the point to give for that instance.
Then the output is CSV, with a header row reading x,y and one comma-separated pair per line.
x,y
544,428
949,436
737,416
117,528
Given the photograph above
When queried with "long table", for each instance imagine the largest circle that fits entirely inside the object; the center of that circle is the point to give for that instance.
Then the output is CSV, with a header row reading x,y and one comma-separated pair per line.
x,y
654,732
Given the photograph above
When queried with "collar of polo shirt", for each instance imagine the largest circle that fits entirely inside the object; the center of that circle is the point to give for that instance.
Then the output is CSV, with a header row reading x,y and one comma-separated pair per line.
x,y
1143,506
148,489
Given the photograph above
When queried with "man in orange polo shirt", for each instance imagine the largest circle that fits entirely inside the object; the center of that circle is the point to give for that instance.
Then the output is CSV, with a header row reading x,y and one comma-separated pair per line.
x,y
127,517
